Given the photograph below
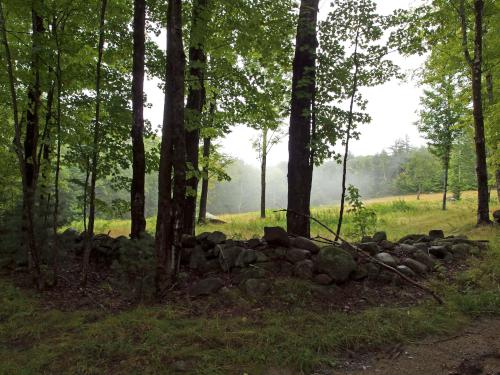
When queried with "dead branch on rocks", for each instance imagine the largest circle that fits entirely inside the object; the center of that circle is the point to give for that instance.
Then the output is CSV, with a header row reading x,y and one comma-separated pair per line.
x,y
368,256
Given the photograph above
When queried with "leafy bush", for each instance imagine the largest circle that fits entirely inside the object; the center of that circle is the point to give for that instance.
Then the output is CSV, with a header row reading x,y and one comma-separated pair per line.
x,y
363,219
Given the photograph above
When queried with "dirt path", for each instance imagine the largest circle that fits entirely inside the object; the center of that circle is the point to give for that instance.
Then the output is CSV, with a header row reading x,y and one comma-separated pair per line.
x,y
474,351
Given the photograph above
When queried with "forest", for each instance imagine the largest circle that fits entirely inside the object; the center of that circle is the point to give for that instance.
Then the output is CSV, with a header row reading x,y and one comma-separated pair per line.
x,y
107,217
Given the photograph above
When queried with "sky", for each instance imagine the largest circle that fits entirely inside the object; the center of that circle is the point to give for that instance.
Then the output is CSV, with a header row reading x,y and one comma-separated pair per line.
x,y
392,107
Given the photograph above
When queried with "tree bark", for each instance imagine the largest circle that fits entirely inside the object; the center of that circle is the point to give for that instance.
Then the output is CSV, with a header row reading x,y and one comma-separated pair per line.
x,y
194,106
202,214
445,183
173,157
299,145
137,200
263,163
95,151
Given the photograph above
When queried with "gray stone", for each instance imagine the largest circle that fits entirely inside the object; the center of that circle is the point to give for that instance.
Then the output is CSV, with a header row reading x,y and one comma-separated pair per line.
x,y
206,286
360,273
253,243
211,265
202,236
387,245
246,257
216,238
423,258
305,243
286,268
405,270
261,257
249,273
435,234
415,265
386,259
296,255
370,247
379,236
336,263
228,257
372,270
461,250
276,236
411,238
197,258
256,287
304,269
439,252
407,249
323,279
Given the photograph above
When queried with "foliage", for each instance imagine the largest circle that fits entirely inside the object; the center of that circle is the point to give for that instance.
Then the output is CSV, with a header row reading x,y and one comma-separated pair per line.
x,y
364,219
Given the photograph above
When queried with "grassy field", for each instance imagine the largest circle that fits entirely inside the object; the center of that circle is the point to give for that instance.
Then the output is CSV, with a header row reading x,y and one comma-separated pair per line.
x,y
397,215
162,339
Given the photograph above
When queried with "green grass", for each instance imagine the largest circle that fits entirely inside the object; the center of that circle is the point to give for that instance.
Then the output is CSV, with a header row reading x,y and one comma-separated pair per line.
x,y
294,336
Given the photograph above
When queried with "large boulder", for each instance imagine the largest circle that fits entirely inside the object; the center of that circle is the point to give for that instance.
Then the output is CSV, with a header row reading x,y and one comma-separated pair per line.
x,y
461,250
439,252
206,286
197,259
386,258
410,238
405,270
379,236
248,273
415,265
246,257
228,256
424,258
436,234
216,238
296,255
276,236
370,247
304,269
336,263
305,243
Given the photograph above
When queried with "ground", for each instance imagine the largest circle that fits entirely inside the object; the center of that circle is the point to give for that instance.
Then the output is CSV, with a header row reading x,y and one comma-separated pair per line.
x,y
228,334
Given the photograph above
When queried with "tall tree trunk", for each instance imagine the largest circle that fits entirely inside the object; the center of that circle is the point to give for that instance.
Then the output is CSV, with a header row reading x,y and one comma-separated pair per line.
x,y
348,136
299,147
173,155
475,63
202,214
263,162
137,200
496,162
445,182
95,150
194,106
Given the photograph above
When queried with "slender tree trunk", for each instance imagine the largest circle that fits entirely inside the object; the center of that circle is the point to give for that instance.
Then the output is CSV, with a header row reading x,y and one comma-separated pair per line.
x,y
194,107
263,162
202,214
95,150
173,155
496,165
348,136
86,194
419,191
137,200
445,183
299,147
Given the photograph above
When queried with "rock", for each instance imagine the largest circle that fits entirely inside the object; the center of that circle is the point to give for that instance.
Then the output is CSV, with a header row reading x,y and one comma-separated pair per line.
x,y
305,243
202,236
211,265
246,257
496,216
277,253
296,255
371,247
461,250
360,273
424,238
439,252
407,249
216,238
206,286
304,269
405,270
423,258
411,238
249,273
188,241
253,243
379,236
256,287
386,259
286,268
387,245
415,265
373,270
336,263
228,257
323,279
261,257
436,234
197,258
366,239
276,236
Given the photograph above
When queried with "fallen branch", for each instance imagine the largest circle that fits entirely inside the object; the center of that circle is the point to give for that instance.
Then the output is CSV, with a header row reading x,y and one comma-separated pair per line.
x,y
368,256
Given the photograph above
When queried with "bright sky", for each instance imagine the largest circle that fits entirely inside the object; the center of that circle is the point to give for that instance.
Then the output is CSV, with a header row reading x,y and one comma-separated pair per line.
x,y
392,107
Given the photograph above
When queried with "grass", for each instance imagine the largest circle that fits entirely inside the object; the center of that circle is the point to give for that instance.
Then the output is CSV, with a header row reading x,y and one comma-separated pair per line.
x,y
153,339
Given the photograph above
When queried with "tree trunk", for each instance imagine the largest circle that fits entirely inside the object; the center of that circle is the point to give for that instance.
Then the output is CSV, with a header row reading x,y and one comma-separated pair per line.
x,y
263,162
173,157
95,150
445,183
202,214
419,191
299,147
138,221
348,136
194,105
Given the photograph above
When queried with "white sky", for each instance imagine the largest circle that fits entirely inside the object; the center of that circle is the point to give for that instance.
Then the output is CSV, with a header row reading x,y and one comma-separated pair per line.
x,y
392,107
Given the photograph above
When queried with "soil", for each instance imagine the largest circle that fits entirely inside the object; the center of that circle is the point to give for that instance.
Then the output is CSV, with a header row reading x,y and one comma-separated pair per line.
x,y
474,351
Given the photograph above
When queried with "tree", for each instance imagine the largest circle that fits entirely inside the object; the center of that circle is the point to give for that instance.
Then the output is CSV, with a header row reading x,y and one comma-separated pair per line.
x,y
137,199
438,121
299,144
172,155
